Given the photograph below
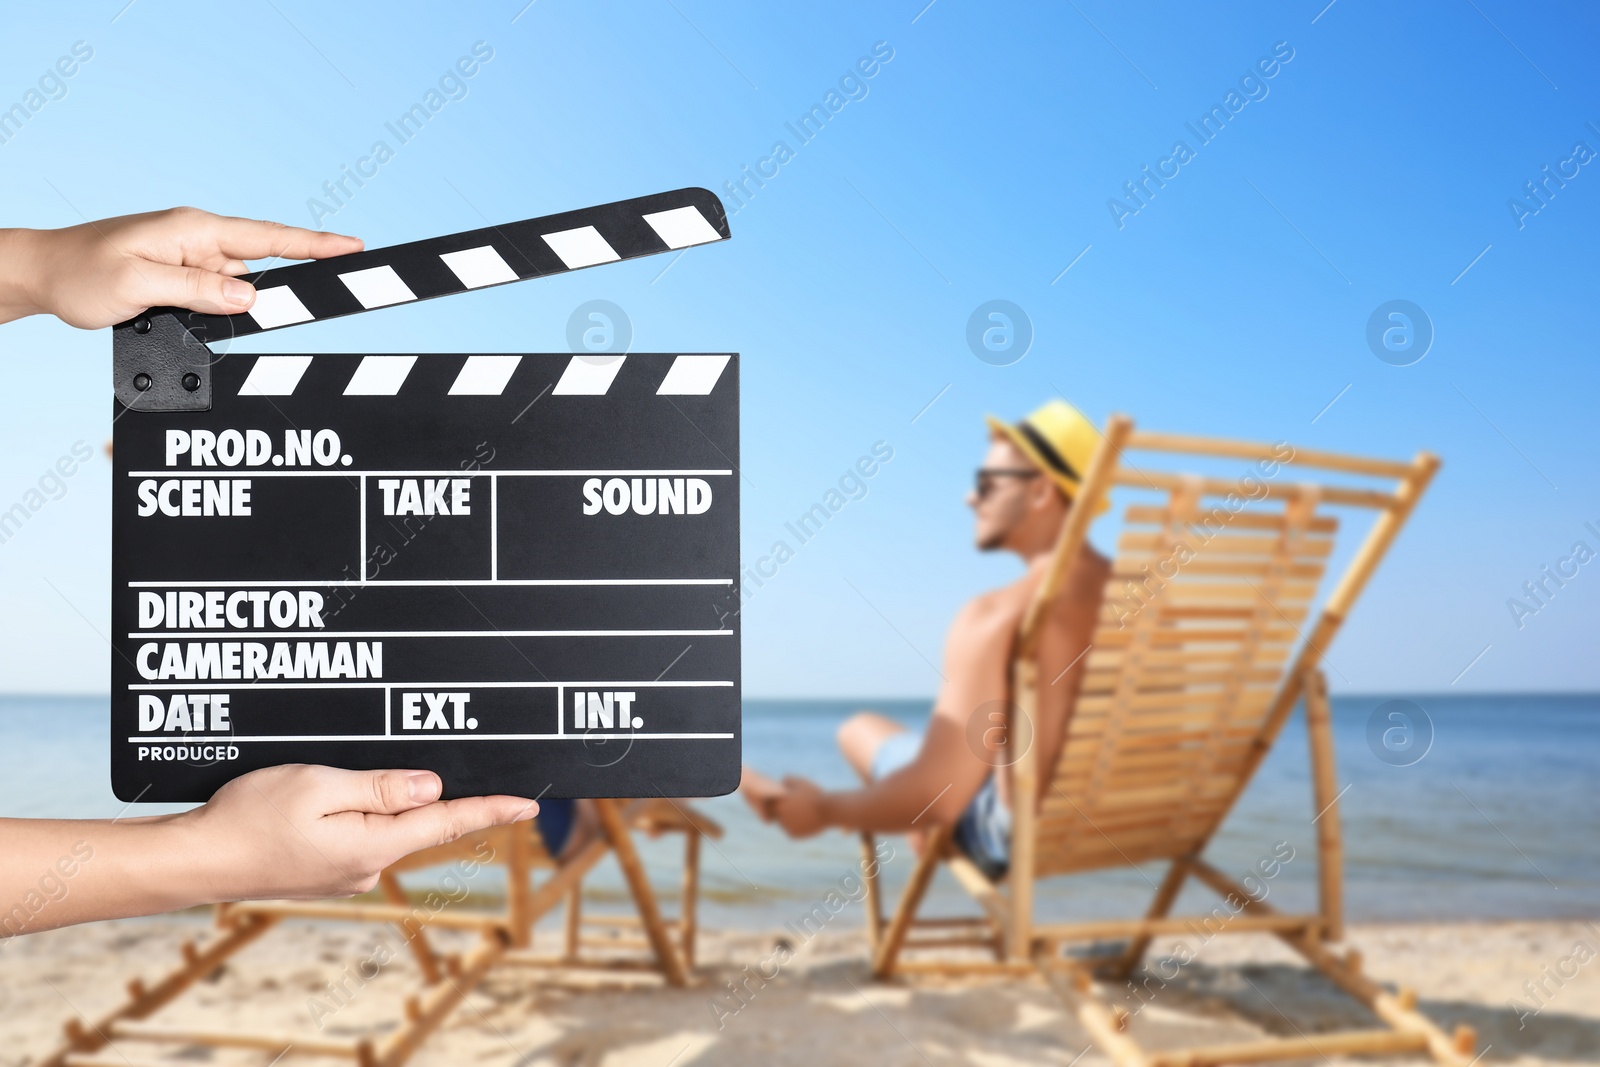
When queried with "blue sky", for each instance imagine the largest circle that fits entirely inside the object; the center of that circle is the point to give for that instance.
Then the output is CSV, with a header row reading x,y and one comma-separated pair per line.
x,y
975,164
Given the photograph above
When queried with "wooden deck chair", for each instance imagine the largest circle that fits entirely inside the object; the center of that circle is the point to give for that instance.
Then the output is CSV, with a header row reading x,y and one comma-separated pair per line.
x,y
505,938
1197,662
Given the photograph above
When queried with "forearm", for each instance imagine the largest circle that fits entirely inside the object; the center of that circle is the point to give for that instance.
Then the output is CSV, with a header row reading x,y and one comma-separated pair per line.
x,y
17,268
856,809
58,871
900,802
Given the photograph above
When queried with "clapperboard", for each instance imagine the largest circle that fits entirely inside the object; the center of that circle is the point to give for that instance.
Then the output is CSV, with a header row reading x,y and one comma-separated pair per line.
x,y
510,569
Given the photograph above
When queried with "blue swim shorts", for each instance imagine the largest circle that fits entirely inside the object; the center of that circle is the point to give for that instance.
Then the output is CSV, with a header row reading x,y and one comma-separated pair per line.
x,y
554,820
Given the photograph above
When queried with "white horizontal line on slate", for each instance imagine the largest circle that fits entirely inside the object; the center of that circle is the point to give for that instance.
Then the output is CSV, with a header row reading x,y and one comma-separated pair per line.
x,y
430,582
212,635
347,472
167,740
612,684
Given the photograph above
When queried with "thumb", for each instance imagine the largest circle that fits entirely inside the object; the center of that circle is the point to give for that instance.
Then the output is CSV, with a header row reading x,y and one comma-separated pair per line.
x,y
164,285
377,792
445,821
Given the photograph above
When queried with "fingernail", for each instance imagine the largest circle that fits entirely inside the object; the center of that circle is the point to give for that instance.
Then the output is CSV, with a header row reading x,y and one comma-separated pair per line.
x,y
237,292
425,787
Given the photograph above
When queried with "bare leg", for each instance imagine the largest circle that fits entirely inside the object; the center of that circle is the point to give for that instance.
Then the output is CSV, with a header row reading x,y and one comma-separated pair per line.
x,y
860,737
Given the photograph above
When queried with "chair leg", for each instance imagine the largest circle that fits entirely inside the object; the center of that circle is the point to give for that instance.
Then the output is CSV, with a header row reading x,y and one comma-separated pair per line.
x,y
424,1013
519,884
427,960
1162,903
687,926
644,897
883,960
1325,788
574,923
874,901
1104,1022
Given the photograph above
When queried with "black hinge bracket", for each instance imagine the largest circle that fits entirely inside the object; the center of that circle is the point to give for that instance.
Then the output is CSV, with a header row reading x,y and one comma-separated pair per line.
x,y
158,365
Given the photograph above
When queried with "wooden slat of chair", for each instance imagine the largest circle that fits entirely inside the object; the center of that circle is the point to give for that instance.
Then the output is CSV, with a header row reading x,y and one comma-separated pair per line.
x,y
1074,783
1182,506
1182,700
1270,594
1161,544
1156,760
1153,678
1138,514
1173,639
1359,498
1133,701
1110,659
1213,446
1133,567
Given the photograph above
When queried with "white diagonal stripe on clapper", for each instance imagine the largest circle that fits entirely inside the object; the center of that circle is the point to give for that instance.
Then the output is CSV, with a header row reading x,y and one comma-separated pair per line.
x,y
588,376
581,246
682,227
274,375
380,375
484,375
377,287
277,306
477,267
692,375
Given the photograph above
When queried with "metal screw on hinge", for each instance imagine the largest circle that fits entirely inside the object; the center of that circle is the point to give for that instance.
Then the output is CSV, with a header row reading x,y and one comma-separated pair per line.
x,y
141,325
141,381
191,381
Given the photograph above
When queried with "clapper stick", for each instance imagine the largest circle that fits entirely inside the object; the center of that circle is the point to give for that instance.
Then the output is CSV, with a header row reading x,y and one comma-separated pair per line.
x,y
162,360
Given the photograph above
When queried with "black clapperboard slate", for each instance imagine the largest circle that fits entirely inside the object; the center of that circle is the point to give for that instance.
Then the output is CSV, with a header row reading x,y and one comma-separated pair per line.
x,y
513,570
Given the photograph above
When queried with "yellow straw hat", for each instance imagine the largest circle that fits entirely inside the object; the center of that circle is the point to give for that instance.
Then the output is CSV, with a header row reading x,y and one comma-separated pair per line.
x,y
1060,441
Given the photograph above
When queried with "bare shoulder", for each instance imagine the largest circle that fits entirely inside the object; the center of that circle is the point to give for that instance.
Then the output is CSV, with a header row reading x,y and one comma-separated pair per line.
x,y
1084,586
996,610
1092,568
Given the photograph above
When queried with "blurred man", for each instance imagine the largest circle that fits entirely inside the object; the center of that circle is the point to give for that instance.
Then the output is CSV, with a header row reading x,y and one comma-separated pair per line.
x,y
957,772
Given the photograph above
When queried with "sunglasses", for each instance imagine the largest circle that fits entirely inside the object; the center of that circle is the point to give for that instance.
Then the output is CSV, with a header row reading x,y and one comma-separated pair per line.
x,y
987,476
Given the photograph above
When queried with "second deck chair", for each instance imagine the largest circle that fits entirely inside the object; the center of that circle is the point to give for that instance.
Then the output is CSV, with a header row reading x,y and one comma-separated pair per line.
x,y
1199,658
505,938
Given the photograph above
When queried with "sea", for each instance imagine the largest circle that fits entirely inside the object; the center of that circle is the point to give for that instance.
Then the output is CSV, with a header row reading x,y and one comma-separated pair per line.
x,y
1453,807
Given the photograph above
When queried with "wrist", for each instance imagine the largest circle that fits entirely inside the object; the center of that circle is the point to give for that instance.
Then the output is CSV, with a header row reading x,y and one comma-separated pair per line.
x,y
828,809
126,869
19,274
189,863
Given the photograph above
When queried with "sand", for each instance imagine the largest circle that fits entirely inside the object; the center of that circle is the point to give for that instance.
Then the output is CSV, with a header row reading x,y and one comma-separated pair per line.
x,y
821,1008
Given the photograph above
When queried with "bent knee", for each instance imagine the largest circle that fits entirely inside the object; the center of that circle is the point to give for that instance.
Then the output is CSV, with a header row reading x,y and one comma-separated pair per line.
x,y
862,735
865,730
